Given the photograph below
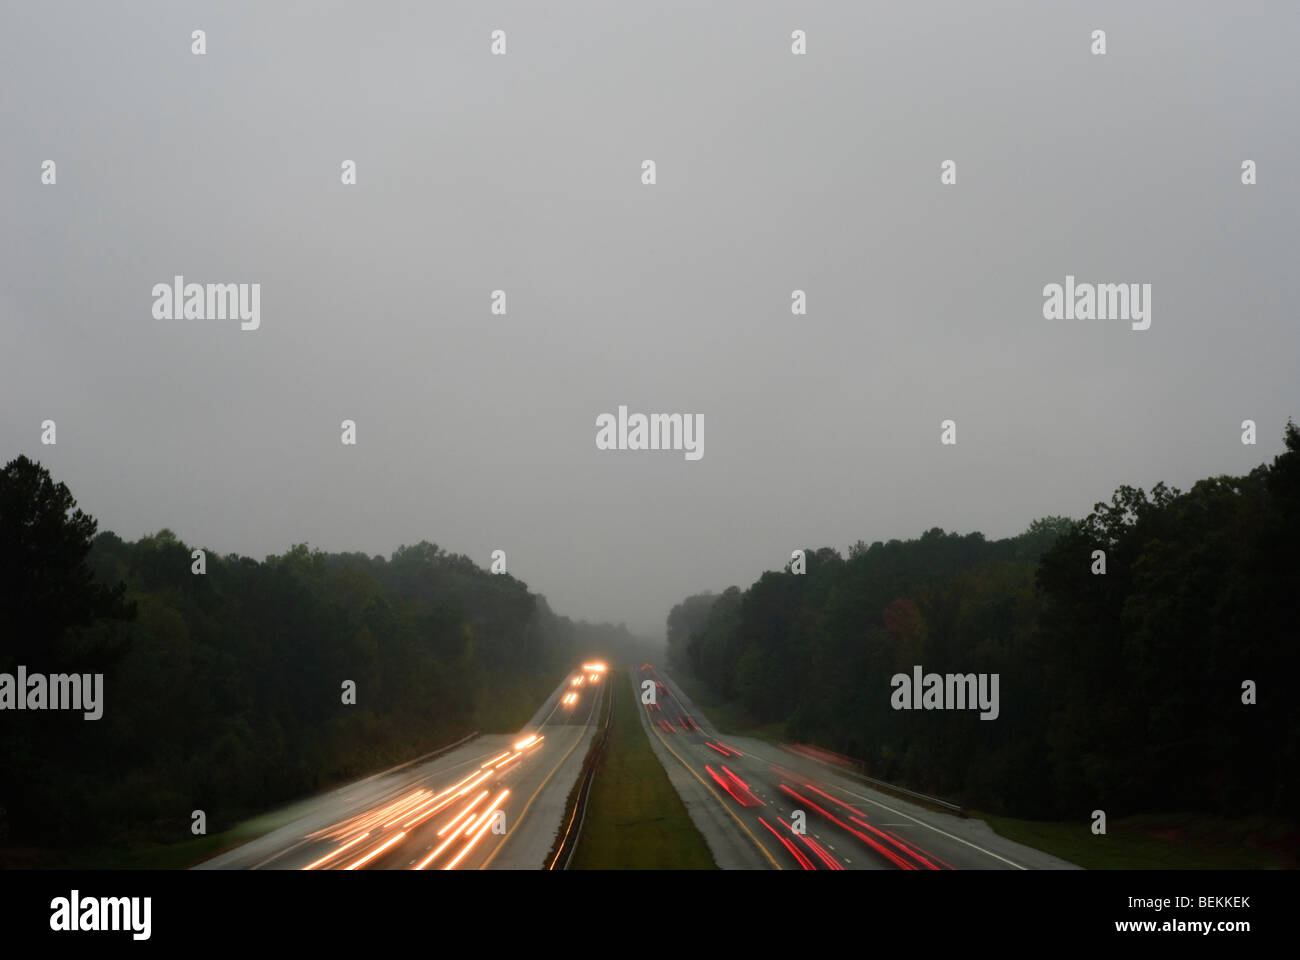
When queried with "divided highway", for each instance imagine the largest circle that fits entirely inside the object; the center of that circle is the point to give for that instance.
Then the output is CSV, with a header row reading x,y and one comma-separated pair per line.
x,y
496,801
744,794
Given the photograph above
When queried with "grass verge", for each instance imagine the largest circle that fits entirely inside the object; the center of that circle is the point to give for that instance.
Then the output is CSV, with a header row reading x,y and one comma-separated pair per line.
x,y
1174,841
635,818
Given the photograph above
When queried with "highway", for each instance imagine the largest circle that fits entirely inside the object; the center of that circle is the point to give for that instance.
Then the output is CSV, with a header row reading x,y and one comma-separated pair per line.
x,y
743,795
495,802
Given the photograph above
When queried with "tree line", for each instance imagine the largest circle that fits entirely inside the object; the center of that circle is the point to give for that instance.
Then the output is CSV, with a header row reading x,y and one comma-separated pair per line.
x,y
1125,690
223,691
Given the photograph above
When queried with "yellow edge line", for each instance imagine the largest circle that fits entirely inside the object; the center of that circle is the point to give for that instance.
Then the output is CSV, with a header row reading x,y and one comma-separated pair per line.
x,y
721,802
523,813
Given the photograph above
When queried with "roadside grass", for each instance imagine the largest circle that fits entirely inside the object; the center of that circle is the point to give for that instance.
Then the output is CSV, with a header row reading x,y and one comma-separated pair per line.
x,y
635,818
173,856
1171,841
137,855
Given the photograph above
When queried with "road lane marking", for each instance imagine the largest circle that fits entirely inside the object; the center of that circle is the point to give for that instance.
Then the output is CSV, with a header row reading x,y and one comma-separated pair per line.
x,y
277,856
900,813
692,772
582,733
973,846
739,822
929,826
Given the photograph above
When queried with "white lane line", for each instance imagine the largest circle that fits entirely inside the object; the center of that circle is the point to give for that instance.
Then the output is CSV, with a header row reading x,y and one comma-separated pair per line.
x,y
277,856
900,813
973,846
581,735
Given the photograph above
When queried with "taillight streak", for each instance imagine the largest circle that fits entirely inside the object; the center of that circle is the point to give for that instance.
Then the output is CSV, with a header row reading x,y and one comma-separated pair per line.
x,y
883,851
794,851
856,815
376,852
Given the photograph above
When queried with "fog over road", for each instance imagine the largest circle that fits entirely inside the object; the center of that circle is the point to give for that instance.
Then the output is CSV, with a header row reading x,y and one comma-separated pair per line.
x,y
441,813
742,794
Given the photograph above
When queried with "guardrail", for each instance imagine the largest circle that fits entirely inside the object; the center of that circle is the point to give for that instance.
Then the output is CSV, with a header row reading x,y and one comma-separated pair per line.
x,y
427,756
569,842
888,787
956,808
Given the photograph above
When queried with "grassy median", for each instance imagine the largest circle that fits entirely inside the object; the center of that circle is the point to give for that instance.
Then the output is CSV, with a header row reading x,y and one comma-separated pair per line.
x,y
1159,842
635,818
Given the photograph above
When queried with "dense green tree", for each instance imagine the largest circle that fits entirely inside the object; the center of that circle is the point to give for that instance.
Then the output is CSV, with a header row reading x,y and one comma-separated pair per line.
x,y
224,694
1121,691
46,585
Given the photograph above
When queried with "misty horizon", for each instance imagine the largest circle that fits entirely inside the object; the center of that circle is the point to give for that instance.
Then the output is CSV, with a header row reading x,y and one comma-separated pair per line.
x,y
474,173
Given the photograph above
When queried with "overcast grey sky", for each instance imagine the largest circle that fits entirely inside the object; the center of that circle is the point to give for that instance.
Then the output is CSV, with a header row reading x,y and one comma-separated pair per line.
x,y
523,173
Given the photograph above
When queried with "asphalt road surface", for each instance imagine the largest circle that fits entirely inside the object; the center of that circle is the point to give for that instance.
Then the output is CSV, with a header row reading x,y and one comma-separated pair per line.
x,y
497,801
761,806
